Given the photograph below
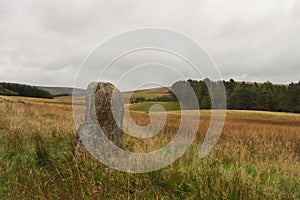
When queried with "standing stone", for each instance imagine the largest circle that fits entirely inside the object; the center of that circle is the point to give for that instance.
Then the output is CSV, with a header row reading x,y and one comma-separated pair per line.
x,y
104,107
109,105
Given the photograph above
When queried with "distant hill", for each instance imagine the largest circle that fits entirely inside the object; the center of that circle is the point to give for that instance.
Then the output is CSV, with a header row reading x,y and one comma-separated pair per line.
x,y
147,93
16,89
63,91
4,91
164,91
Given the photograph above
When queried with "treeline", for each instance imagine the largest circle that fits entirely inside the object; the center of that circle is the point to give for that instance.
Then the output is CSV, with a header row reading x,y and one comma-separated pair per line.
x,y
246,96
155,99
15,89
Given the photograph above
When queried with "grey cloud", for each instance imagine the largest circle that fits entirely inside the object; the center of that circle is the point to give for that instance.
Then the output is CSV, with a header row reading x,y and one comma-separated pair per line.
x,y
44,42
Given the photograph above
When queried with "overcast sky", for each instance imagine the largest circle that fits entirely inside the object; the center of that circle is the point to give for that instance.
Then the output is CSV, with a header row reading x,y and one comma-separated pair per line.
x,y
44,42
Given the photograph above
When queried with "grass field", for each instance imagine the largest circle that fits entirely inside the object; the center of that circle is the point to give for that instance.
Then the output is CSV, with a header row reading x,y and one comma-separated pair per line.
x,y
257,157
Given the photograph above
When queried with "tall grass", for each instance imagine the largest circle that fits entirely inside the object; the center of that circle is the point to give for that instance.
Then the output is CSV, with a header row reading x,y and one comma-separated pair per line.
x,y
257,157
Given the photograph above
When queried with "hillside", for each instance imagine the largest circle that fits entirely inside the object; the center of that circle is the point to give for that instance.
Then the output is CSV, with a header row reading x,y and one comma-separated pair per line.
x,y
63,91
147,93
4,91
16,89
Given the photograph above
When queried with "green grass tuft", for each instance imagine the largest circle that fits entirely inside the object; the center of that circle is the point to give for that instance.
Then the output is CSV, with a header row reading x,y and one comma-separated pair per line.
x,y
169,106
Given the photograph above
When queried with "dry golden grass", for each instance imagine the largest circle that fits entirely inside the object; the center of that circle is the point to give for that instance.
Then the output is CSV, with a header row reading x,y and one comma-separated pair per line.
x,y
257,157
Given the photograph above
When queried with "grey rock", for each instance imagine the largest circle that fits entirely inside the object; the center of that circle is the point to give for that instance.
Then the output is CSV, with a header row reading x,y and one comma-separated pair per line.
x,y
104,111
